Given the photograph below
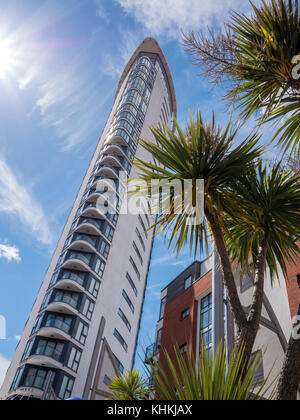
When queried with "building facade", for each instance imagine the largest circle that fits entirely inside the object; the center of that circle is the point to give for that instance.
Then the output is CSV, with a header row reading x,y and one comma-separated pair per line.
x,y
84,324
194,309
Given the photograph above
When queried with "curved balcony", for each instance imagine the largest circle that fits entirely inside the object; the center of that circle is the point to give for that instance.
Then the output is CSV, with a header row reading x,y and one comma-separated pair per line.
x,y
83,242
117,149
90,225
111,208
44,360
62,307
77,261
53,332
109,171
111,160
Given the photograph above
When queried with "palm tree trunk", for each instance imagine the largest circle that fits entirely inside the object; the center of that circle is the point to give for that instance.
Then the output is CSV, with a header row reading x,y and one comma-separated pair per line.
x,y
226,269
247,335
247,327
289,380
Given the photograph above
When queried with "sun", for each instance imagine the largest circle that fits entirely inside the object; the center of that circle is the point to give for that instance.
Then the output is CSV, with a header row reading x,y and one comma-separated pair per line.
x,y
6,58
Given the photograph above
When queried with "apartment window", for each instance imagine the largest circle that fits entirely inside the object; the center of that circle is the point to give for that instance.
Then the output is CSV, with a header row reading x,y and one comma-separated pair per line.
x,y
135,268
206,323
143,226
187,282
137,252
126,297
108,232
121,340
17,378
246,282
130,281
259,375
104,248
158,341
140,238
183,349
74,359
119,364
35,378
66,388
162,308
124,319
185,313
107,380
99,266
88,308
82,333
27,351
94,287
53,349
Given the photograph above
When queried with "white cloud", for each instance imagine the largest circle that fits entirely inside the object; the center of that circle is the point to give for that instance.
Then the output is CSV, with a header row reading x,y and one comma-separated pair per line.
x,y
168,17
101,12
16,200
4,365
10,253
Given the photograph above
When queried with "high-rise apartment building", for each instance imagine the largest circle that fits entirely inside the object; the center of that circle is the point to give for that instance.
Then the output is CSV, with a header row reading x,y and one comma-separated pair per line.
x,y
194,309
84,324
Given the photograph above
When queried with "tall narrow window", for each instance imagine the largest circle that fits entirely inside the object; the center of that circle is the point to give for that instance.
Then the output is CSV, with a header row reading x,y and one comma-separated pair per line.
x,y
206,323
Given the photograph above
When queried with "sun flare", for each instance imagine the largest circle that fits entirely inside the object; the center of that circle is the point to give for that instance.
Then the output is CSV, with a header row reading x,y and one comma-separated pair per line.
x,y
6,58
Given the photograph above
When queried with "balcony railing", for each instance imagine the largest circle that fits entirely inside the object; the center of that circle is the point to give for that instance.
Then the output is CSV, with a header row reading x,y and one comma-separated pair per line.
x,y
57,323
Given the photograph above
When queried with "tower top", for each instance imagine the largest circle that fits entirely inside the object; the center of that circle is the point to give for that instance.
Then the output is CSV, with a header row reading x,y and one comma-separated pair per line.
x,y
151,46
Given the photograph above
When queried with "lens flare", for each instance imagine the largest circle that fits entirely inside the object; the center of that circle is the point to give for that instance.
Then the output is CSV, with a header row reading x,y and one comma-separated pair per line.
x,y
6,58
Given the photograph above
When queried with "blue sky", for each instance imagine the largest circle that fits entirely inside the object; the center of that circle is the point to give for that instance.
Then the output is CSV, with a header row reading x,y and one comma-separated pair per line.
x,y
60,62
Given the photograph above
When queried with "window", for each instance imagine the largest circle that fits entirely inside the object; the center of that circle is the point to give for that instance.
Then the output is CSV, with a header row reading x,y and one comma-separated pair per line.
x,y
119,364
158,341
126,297
135,268
187,282
140,238
185,313
124,319
206,323
107,380
17,378
27,351
246,282
66,388
259,375
131,284
74,359
94,287
108,232
143,226
137,252
82,333
35,378
162,308
99,267
87,308
121,340
104,248
53,349
183,349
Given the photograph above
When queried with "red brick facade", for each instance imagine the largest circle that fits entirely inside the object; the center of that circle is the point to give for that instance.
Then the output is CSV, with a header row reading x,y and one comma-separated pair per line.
x,y
293,287
178,331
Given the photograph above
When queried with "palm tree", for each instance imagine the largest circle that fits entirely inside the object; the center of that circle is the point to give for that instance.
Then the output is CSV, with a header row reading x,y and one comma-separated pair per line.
x,y
130,387
257,55
252,214
209,379
264,232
